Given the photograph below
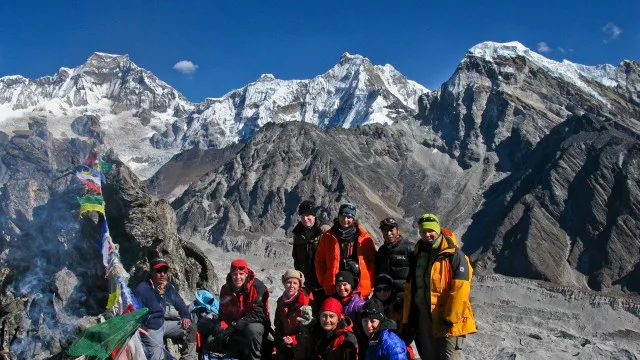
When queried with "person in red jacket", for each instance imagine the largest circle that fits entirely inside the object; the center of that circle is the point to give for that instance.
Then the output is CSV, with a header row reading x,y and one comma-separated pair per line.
x,y
347,246
330,338
244,312
289,307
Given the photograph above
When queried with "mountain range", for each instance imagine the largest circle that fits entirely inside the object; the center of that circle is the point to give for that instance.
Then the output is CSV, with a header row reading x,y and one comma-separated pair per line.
x,y
533,163
132,104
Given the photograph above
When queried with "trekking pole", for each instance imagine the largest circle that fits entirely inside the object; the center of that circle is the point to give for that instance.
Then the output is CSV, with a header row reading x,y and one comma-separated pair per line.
x,y
155,342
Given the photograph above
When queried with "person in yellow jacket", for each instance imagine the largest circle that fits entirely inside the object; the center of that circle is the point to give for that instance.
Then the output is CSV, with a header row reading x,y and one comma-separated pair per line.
x,y
437,308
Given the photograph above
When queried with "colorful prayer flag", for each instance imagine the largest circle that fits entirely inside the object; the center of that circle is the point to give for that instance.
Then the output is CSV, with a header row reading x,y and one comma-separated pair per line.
x,y
91,207
91,199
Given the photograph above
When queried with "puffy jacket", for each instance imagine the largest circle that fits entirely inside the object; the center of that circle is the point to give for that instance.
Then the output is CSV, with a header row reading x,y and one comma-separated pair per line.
x,y
315,343
327,260
388,346
157,304
305,243
286,319
394,261
351,304
249,304
450,284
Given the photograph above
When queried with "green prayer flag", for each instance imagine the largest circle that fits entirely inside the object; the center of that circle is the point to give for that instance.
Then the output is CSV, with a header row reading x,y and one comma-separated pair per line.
x,y
91,199
101,339
106,166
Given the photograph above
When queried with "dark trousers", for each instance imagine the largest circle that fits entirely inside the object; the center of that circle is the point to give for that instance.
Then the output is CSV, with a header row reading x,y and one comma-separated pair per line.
x,y
246,343
436,348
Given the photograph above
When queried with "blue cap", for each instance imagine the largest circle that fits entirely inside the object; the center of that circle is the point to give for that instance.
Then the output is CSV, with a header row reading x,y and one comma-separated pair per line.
x,y
347,209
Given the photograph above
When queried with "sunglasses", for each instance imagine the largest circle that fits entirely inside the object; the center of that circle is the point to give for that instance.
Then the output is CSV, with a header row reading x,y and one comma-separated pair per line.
x,y
425,219
383,288
238,268
162,270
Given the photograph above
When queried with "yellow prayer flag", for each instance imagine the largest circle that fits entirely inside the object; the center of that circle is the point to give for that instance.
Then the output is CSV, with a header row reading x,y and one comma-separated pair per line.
x,y
91,207
113,298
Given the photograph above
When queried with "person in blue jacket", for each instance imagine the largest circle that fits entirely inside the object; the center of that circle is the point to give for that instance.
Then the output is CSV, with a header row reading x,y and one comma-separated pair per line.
x,y
168,315
383,344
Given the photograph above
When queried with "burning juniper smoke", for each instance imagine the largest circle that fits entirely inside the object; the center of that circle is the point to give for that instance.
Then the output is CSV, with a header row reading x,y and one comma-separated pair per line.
x,y
50,269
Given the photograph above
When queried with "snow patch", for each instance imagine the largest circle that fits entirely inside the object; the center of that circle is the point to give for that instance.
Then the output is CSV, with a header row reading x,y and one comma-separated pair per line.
x,y
566,70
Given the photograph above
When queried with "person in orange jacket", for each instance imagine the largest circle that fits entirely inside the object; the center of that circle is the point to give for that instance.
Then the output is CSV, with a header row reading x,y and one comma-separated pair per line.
x,y
437,307
347,246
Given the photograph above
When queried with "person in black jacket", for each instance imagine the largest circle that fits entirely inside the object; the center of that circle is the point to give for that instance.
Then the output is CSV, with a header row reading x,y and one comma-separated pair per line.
x,y
392,257
168,315
306,235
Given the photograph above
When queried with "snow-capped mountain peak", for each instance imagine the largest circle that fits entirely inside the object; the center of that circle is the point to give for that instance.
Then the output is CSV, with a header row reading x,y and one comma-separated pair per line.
x,y
566,70
346,57
353,92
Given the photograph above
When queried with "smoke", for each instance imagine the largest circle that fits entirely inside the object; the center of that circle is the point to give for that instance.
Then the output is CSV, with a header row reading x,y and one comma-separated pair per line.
x,y
52,259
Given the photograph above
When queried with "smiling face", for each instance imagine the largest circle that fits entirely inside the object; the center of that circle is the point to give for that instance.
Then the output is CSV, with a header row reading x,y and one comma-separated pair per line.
x,y
428,235
343,289
328,320
238,277
370,325
383,292
346,221
291,287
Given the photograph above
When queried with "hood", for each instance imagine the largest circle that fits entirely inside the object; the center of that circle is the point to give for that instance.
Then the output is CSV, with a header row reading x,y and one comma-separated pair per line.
x,y
344,326
347,299
301,300
205,299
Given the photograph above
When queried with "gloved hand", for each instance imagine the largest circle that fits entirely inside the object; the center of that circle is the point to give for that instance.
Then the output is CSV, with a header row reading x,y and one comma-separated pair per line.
x,y
220,340
306,316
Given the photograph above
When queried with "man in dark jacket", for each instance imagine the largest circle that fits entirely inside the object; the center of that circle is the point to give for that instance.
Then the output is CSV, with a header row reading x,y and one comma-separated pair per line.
x,y
392,257
168,315
305,243
244,312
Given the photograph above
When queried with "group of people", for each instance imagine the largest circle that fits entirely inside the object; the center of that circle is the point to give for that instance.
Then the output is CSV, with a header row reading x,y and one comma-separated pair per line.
x,y
344,299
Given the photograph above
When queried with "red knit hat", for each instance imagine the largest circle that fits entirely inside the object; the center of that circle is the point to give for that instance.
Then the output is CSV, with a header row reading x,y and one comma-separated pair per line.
x,y
239,264
333,305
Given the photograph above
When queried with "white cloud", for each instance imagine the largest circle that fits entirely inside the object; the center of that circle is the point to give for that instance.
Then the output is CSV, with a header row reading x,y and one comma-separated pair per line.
x,y
612,30
543,47
185,66
562,50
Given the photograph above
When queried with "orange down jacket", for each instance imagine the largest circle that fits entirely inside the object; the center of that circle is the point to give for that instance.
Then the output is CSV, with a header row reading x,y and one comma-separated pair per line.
x,y
449,286
327,261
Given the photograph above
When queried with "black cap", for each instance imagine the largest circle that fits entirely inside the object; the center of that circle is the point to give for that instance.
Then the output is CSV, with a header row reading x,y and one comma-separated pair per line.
x,y
388,223
346,276
307,207
373,309
383,279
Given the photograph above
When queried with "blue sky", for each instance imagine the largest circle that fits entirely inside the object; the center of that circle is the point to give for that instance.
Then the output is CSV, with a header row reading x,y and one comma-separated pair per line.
x,y
233,42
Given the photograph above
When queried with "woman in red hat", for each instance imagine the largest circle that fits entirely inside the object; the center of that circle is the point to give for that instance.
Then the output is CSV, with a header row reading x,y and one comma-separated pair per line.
x,y
330,338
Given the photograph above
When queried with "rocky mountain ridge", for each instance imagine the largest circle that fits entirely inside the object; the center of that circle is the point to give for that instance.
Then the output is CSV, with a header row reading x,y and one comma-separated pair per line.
x,y
132,104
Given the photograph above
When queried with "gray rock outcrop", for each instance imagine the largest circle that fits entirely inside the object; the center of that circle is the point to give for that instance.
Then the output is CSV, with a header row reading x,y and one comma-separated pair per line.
x,y
51,272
